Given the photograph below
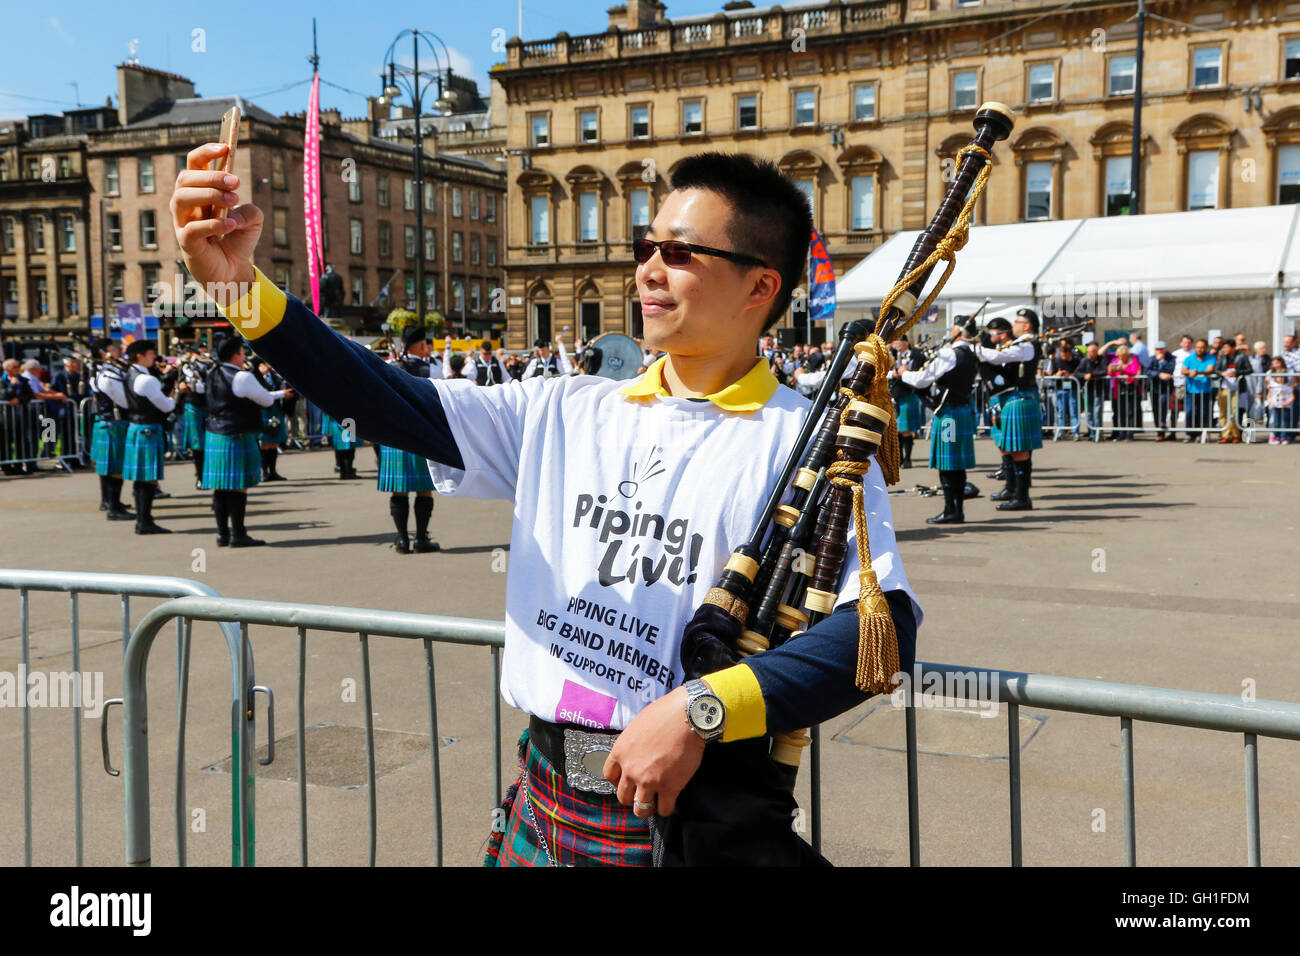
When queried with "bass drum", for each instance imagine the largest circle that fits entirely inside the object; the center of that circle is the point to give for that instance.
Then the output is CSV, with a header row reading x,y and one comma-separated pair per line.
x,y
611,355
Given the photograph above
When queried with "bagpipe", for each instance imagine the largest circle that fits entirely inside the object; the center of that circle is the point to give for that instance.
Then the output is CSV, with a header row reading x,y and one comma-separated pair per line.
x,y
739,806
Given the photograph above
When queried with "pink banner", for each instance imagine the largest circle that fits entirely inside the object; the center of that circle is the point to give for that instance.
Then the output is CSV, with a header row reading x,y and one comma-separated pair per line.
x,y
311,193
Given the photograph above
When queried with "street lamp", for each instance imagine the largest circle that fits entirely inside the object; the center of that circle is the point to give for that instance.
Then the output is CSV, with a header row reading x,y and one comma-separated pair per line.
x,y
396,79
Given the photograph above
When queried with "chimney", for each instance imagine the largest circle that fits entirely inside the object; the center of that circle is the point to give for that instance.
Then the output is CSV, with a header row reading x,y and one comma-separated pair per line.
x,y
643,13
139,87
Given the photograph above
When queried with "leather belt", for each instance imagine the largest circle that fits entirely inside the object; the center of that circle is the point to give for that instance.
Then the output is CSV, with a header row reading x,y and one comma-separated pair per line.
x,y
578,753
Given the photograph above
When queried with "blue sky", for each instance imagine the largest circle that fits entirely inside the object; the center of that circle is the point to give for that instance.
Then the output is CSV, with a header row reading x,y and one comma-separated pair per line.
x,y
253,48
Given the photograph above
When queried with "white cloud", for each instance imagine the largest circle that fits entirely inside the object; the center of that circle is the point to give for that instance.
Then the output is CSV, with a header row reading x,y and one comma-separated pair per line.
x,y
57,27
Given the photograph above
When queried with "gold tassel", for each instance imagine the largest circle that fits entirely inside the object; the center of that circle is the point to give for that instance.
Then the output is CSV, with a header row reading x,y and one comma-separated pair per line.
x,y
877,643
888,455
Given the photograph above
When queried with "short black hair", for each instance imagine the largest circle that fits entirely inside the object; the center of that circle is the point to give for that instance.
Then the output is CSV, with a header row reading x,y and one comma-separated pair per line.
x,y
772,219
228,346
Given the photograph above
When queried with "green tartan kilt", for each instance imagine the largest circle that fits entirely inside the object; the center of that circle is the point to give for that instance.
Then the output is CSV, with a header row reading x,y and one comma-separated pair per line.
x,y
108,446
231,462
142,459
400,471
1022,422
911,414
274,436
195,423
335,433
952,438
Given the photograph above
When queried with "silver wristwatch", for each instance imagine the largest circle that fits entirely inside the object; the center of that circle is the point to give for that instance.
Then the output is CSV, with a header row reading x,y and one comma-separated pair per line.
x,y
705,712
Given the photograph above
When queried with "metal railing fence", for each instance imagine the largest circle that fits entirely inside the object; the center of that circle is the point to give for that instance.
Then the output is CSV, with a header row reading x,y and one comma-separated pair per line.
x,y
124,586
45,430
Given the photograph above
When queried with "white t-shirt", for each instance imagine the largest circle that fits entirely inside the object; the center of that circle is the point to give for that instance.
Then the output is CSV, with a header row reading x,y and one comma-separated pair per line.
x,y
641,502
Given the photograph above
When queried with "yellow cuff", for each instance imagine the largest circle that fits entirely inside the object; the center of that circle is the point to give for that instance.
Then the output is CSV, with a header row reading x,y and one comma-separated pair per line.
x,y
737,687
259,310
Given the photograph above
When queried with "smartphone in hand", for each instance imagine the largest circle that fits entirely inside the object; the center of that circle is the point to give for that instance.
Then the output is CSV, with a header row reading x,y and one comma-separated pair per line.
x,y
226,163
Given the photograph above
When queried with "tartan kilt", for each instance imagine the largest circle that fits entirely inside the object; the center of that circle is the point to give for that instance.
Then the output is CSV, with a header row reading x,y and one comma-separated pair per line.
x,y
108,446
332,430
911,414
952,438
400,471
1022,422
581,828
142,458
274,436
231,462
196,420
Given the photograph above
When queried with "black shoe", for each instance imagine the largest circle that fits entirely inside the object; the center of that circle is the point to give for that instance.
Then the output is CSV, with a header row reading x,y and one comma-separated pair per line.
x,y
1006,494
1021,505
970,491
423,545
223,540
161,494
103,506
999,475
946,518
244,541
402,544
151,528
275,476
119,514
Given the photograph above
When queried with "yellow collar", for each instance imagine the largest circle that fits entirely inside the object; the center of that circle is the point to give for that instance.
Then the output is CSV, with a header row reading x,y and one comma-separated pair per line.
x,y
748,394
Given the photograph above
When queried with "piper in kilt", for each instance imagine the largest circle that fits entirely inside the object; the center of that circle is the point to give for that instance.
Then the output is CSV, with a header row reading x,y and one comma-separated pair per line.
x,y
907,402
195,417
275,431
1016,409
108,438
344,442
401,472
232,463
952,431
142,461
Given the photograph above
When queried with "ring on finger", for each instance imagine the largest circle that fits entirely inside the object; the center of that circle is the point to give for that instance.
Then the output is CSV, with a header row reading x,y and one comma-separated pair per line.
x,y
639,805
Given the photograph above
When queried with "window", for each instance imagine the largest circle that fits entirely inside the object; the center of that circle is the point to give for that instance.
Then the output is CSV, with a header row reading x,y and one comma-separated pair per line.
x,y
1291,60
408,194
278,178
280,226
862,201
430,293
42,296
475,297
70,304
693,116
1121,73
354,187
1038,190
69,232
38,233
4,171
429,198
541,220
492,251
457,247
145,169
431,245
747,112
588,217
458,296
410,293
1118,184
354,236
65,167
809,189
588,130
541,129
148,230
805,107
385,239
113,226
473,203
117,284
381,189
7,228
965,85
1288,174
864,102
1203,179
149,282
475,250
1207,66
457,203
639,119
638,201
410,242
358,289
491,208
1042,82
282,277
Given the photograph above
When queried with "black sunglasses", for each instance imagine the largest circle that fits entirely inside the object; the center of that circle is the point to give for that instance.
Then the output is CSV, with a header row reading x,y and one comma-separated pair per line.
x,y
676,253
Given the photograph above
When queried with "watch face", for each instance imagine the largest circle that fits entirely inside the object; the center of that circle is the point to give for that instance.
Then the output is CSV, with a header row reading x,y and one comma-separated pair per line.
x,y
706,714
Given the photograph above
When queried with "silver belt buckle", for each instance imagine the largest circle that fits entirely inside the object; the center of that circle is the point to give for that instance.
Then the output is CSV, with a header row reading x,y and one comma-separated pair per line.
x,y
584,760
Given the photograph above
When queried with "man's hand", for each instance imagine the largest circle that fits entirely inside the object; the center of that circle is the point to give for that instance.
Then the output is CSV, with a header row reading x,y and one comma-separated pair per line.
x,y
289,393
215,250
656,756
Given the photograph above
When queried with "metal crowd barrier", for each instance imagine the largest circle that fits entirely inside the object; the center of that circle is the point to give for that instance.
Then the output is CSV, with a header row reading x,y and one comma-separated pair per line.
x,y
125,586
1128,702
45,431
365,623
